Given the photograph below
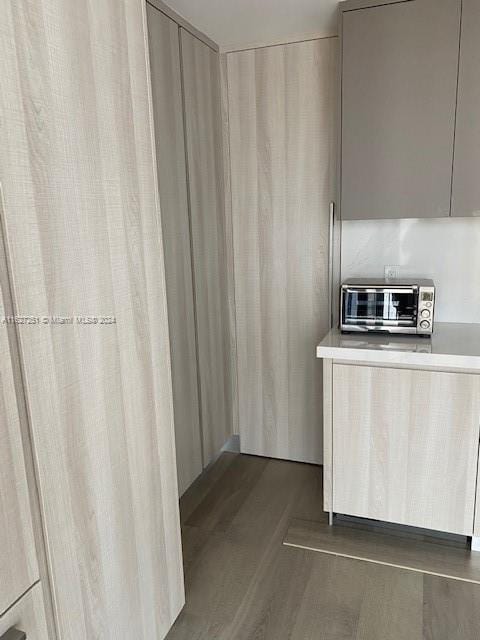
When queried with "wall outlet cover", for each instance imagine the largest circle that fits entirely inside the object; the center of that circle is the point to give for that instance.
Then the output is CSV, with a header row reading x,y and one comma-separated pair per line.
x,y
392,272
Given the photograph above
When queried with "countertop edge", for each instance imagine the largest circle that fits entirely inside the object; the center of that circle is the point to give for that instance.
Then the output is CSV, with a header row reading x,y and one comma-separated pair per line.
x,y
453,346
395,357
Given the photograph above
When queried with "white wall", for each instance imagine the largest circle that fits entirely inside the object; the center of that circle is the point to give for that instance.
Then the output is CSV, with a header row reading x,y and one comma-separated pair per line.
x,y
244,24
446,250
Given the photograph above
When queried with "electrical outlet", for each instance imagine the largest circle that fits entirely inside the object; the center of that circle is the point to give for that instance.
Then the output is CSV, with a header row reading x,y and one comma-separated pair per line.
x,y
392,272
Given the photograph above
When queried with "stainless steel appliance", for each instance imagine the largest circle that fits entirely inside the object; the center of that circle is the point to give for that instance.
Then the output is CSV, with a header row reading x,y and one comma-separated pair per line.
x,y
392,306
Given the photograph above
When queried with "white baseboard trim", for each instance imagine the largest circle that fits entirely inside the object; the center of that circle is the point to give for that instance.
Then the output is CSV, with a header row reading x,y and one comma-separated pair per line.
x,y
475,543
232,445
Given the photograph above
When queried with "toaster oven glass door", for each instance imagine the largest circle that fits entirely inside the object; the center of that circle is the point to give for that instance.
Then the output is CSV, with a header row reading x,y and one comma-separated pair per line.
x,y
382,307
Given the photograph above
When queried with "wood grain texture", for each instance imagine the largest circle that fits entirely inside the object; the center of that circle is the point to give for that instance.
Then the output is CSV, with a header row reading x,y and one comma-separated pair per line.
x,y
282,146
233,545
399,78
451,610
18,561
84,238
172,180
229,238
358,601
203,485
327,434
30,469
181,22
243,583
386,549
27,615
405,446
466,186
203,122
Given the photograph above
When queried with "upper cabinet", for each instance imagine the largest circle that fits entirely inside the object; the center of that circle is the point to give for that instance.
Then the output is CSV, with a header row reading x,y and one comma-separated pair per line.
x,y
399,80
466,185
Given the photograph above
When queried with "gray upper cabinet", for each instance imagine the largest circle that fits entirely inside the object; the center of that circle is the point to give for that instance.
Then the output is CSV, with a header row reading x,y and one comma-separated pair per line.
x,y
399,78
466,185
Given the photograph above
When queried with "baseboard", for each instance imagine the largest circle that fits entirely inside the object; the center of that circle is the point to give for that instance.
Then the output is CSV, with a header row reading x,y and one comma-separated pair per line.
x,y
232,445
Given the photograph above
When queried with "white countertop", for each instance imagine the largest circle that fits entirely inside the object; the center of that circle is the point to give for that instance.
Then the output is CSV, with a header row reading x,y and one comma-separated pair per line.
x,y
452,345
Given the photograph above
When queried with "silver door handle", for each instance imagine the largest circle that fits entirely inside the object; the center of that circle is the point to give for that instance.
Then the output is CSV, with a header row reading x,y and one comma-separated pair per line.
x,y
14,634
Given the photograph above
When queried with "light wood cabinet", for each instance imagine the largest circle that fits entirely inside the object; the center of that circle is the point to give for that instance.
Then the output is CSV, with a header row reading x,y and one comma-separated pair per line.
x,y
27,615
466,185
82,227
282,147
18,562
165,69
399,80
405,446
203,130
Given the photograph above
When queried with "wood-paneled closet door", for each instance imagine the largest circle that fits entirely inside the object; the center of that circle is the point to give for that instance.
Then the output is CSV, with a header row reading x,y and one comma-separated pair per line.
x,y
84,240
203,120
18,560
164,45
282,145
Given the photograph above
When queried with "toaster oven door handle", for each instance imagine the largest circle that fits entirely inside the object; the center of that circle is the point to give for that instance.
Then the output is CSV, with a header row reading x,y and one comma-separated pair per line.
x,y
382,290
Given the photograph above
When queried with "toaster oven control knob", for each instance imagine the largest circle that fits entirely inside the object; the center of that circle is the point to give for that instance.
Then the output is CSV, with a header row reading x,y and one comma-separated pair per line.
x,y
425,324
425,313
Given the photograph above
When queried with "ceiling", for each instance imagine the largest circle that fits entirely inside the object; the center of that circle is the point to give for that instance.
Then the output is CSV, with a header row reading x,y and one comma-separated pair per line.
x,y
240,24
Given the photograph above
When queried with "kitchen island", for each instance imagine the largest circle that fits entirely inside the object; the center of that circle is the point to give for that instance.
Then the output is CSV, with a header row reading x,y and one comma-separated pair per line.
x,y
402,427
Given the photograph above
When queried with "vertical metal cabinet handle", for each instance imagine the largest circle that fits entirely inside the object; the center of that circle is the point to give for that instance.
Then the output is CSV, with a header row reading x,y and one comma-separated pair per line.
x,y
14,634
331,293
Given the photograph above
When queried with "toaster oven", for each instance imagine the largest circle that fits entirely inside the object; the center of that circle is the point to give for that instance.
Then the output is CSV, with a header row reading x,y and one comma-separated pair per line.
x,y
391,306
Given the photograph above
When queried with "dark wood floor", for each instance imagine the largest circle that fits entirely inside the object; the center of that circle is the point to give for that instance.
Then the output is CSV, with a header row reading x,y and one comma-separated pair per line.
x,y
242,583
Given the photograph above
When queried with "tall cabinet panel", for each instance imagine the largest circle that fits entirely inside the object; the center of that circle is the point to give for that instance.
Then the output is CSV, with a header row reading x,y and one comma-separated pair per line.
x,y
85,250
282,145
172,180
399,79
203,121
18,561
466,183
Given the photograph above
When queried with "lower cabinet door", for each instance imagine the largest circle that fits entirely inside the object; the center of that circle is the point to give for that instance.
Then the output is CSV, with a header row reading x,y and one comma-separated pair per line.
x,y
27,615
405,446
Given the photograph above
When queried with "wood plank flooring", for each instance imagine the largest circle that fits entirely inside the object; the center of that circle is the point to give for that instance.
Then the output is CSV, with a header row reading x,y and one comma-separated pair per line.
x,y
385,548
242,583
